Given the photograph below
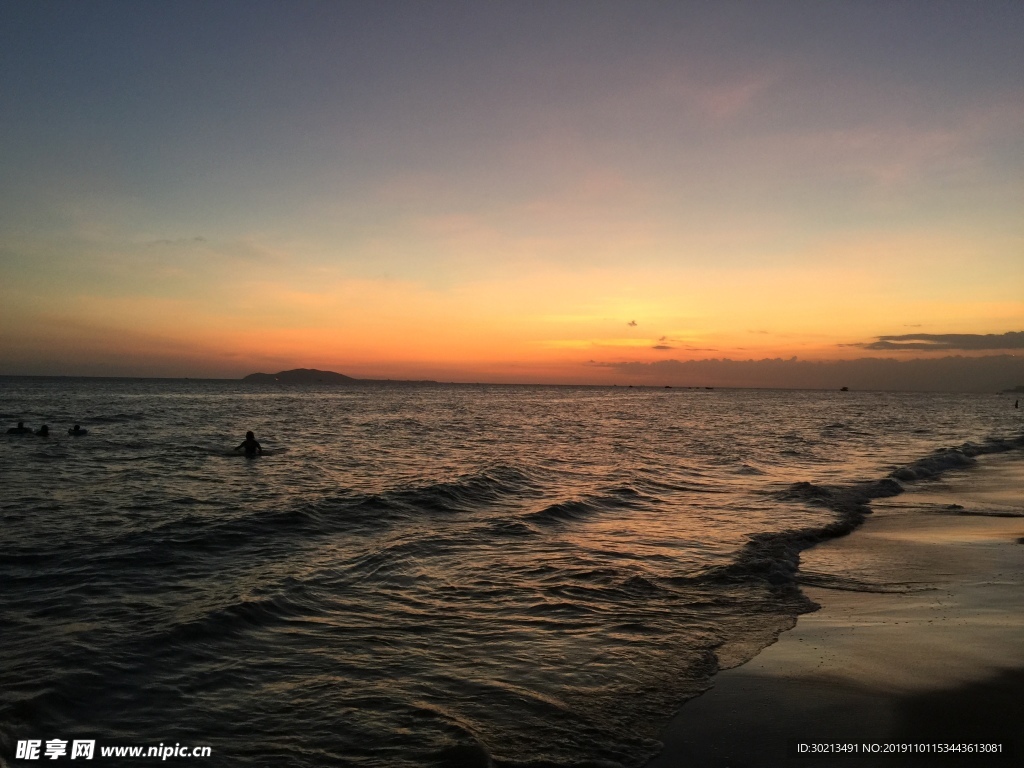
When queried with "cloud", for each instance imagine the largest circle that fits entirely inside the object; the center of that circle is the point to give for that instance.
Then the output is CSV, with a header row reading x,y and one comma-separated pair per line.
x,y
662,346
990,373
631,323
946,341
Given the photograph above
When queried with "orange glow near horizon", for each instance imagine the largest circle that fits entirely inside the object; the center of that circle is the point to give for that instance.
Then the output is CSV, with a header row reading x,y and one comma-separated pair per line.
x,y
550,324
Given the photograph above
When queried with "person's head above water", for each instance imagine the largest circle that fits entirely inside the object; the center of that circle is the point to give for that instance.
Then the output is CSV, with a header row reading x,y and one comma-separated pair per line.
x,y
250,444
43,430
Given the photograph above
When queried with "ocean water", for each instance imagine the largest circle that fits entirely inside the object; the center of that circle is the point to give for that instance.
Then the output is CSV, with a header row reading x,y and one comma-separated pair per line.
x,y
422,575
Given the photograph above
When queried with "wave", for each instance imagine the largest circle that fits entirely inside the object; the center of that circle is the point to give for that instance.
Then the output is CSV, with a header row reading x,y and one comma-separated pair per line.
x,y
945,459
773,558
466,492
621,497
277,528
240,616
930,466
563,512
747,469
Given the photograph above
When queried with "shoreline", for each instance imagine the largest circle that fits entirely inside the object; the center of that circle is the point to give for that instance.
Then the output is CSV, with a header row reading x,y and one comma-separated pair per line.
x,y
918,638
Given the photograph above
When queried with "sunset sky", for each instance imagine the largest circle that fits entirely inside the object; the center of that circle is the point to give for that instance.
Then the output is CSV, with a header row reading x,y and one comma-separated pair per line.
x,y
506,191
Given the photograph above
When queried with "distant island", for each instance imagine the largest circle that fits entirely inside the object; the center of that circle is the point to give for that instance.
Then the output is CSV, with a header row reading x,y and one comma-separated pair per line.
x,y
313,376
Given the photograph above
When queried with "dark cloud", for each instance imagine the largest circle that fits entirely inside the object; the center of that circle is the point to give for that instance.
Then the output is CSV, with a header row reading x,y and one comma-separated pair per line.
x,y
631,323
990,373
662,346
944,342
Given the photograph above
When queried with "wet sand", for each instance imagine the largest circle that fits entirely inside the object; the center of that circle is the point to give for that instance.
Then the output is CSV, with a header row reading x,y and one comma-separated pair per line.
x,y
920,639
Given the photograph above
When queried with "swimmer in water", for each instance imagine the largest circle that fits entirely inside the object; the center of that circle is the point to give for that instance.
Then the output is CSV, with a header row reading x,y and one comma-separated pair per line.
x,y
21,429
43,431
77,431
251,444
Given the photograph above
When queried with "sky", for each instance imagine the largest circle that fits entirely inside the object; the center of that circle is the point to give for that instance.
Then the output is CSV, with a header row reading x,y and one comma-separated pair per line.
x,y
549,192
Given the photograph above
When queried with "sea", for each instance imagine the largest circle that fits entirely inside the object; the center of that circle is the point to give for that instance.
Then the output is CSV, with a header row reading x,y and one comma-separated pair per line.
x,y
417,574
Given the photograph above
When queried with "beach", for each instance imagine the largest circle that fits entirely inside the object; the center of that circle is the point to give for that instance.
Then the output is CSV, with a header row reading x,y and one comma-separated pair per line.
x,y
917,642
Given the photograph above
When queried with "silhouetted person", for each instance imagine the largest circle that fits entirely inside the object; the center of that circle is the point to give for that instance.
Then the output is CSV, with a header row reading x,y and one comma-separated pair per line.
x,y
1016,403
21,429
44,431
251,444
77,431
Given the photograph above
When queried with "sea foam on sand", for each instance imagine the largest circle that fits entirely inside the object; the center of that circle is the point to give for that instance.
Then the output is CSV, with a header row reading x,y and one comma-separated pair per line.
x,y
920,639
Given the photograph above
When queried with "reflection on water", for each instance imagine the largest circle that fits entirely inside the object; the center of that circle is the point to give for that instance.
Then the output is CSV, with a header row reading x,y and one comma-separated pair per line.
x,y
415,575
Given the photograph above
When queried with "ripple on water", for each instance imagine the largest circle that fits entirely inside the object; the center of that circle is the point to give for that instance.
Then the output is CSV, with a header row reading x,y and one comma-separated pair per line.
x,y
422,575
